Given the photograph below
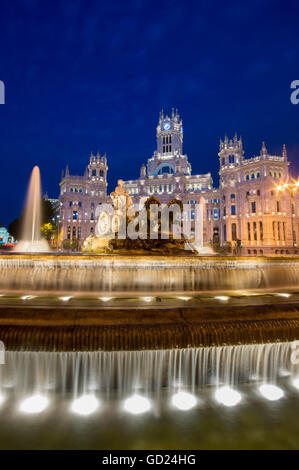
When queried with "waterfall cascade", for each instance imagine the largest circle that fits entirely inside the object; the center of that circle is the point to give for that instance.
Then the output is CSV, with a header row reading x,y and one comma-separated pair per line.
x,y
127,372
121,274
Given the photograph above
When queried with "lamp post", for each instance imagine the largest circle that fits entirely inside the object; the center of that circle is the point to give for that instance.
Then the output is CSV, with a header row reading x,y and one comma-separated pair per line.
x,y
291,188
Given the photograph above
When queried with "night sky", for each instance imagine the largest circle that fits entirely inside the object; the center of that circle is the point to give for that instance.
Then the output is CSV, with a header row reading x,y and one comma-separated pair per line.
x,y
93,75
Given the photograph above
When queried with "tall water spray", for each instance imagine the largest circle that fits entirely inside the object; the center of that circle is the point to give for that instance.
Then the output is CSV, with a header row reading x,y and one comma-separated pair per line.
x,y
32,240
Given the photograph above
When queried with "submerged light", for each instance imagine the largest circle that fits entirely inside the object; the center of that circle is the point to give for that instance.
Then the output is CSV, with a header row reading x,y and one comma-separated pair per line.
x,y
148,299
105,299
271,392
184,298
28,297
282,294
85,405
66,298
2,399
296,383
223,298
35,404
227,396
137,405
184,401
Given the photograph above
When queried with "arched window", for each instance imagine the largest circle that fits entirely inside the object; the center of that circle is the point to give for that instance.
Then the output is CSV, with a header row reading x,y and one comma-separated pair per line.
x,y
258,175
165,170
247,177
94,173
252,176
231,159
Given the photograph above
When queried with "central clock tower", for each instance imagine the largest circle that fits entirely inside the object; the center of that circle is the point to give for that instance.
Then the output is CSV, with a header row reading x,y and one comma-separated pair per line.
x,y
170,134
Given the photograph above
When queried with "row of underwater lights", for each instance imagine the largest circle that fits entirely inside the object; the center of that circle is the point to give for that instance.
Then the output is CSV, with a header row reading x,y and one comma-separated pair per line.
x,y
137,404
221,298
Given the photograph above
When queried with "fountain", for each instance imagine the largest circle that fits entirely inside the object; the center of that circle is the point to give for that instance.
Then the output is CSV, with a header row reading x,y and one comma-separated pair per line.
x,y
31,240
159,334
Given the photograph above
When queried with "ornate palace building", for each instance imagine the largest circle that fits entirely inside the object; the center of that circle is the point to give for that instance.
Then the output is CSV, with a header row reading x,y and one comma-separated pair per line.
x,y
255,210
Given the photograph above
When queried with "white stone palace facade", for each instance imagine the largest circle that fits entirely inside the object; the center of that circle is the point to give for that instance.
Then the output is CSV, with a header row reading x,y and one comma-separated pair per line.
x,y
252,210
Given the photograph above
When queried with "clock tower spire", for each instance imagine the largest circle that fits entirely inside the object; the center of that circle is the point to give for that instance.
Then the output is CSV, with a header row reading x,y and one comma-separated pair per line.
x,y
170,134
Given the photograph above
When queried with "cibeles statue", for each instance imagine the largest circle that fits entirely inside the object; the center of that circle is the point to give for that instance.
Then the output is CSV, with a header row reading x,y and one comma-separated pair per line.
x,y
121,198
122,201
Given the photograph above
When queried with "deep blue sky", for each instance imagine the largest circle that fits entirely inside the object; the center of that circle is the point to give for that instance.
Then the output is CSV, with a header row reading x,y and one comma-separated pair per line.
x,y
86,75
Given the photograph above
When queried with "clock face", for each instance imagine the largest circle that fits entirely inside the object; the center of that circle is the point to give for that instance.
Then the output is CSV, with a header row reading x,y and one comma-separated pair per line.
x,y
166,126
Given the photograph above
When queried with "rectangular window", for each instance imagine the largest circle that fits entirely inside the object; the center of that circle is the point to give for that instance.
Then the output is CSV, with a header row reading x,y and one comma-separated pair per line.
x,y
278,206
75,215
278,230
284,230
253,207
248,231
224,233
234,232
233,210
274,231
74,232
254,231
261,231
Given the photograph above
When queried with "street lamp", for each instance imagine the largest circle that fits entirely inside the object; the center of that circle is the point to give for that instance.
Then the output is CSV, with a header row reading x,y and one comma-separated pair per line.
x,y
291,188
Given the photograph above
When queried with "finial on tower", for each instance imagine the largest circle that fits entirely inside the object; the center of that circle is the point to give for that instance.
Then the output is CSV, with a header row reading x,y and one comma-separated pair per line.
x,y
263,149
67,171
284,152
143,171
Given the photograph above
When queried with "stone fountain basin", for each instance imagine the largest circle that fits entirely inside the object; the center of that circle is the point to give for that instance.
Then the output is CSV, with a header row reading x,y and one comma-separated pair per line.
x,y
45,325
